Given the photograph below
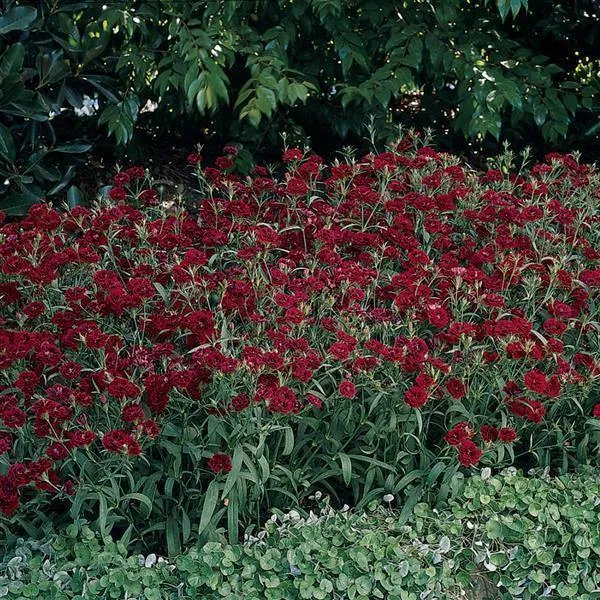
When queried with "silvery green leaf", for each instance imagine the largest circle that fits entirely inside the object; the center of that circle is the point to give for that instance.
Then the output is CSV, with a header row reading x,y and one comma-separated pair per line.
x,y
150,561
404,568
547,590
444,545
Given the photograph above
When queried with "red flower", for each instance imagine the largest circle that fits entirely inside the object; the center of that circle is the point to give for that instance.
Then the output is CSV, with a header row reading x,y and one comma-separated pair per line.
x,y
535,381
194,158
70,370
459,433
81,439
34,309
149,197
296,187
121,178
416,396
489,433
553,388
219,463
149,428
118,194
437,315
135,173
13,417
19,474
526,408
5,442
507,435
469,453
132,413
347,389
317,402
554,327
596,411
240,402
9,499
120,387
292,154
121,442
224,163
57,451
456,388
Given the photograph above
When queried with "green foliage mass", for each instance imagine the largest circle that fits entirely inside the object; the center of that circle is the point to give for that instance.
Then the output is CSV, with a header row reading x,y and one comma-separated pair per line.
x,y
498,537
251,69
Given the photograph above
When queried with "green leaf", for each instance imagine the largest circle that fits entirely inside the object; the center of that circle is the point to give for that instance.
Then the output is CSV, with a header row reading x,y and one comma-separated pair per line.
x,y
141,498
594,129
18,18
236,465
173,541
265,100
409,505
540,112
208,508
233,519
289,441
346,468
435,473
153,593
7,146
503,8
570,101
71,148
100,82
12,59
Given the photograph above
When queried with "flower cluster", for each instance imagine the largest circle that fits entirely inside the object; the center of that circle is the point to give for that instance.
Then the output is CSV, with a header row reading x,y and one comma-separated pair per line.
x,y
378,288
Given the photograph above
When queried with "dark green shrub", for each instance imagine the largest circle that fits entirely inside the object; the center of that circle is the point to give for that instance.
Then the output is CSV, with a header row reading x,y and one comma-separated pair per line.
x,y
250,69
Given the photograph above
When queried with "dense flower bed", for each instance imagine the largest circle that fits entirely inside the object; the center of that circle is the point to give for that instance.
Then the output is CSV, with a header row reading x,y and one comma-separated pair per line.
x,y
368,326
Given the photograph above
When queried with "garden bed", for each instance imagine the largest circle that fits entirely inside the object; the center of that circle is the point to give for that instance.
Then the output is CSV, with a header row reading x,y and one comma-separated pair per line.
x,y
361,328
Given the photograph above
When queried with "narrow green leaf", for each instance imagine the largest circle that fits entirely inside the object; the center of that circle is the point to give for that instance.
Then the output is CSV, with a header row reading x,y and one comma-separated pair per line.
x,y
289,441
7,145
71,148
236,465
142,499
435,472
208,508
173,541
409,505
346,468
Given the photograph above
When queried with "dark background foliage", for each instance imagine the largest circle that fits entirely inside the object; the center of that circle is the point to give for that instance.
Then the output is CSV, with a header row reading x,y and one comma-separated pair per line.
x,y
158,76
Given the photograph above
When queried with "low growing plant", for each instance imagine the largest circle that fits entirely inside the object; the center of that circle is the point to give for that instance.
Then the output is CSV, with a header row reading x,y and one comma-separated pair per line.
x,y
360,328
501,537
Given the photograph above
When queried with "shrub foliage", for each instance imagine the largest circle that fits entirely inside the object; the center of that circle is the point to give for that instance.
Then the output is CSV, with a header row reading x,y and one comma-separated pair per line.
x,y
249,69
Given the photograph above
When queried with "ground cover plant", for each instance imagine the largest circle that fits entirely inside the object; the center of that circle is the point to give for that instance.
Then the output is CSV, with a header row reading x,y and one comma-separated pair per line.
x,y
361,328
498,538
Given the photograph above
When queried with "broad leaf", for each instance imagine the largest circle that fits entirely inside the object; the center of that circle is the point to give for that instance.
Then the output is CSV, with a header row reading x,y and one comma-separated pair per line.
x,y
19,18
